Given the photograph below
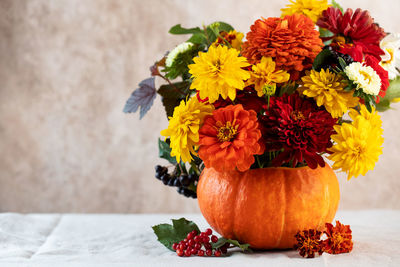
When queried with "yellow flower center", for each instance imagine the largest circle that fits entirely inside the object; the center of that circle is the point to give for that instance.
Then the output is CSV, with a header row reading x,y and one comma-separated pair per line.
x,y
216,67
366,76
297,115
391,52
226,132
337,239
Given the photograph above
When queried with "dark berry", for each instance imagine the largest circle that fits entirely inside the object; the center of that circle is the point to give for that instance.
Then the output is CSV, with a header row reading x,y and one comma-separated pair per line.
x,y
206,239
208,252
208,231
194,232
197,239
200,253
197,246
184,179
193,251
177,183
188,253
207,246
190,236
224,249
165,178
192,178
179,252
171,181
191,242
214,238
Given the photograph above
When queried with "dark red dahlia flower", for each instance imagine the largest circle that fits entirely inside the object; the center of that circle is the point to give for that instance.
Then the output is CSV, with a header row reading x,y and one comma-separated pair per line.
x,y
300,128
357,30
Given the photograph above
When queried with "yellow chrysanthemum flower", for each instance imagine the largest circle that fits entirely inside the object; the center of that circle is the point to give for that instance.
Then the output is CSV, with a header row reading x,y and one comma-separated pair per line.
x,y
358,144
233,37
184,128
265,73
310,8
327,89
218,72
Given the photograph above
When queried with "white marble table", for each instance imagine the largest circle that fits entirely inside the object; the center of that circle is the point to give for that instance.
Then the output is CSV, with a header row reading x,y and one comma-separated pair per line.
x,y
128,240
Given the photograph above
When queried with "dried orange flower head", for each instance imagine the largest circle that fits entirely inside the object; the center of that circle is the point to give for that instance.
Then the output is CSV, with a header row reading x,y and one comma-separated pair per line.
x,y
308,243
339,238
292,41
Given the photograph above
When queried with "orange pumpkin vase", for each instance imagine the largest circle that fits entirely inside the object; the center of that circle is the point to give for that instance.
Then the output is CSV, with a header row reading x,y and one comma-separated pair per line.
x,y
266,207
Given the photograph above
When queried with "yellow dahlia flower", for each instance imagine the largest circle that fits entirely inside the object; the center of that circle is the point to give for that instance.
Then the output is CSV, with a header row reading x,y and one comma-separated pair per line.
x,y
184,128
265,73
373,117
218,72
310,8
358,144
327,89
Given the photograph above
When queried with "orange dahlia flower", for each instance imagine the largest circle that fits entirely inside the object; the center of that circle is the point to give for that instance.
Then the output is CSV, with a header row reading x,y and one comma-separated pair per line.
x,y
229,139
291,41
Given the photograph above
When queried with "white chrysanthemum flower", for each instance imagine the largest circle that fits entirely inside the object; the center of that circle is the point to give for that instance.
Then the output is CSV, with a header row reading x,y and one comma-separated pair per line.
x,y
182,48
364,77
391,60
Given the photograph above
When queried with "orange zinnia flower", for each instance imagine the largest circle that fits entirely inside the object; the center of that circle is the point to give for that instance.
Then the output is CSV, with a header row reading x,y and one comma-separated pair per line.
x,y
291,41
338,239
229,139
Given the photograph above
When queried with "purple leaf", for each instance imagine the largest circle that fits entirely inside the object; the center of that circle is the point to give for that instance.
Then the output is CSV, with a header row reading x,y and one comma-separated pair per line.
x,y
142,97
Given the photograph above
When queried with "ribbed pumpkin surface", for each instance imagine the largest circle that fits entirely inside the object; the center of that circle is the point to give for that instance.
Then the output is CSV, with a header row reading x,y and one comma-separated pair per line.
x,y
266,207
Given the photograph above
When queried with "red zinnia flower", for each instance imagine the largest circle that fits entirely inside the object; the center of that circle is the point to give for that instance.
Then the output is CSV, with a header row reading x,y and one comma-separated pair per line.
x,y
229,139
354,30
339,239
291,41
299,127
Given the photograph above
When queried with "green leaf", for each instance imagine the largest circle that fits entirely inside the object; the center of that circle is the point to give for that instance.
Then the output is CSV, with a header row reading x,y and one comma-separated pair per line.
x,y
142,97
222,241
342,63
169,234
383,105
392,92
321,59
325,33
164,151
198,38
172,95
178,29
213,32
337,5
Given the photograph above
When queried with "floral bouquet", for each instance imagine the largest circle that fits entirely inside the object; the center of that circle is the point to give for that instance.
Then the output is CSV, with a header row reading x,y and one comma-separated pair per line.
x,y
302,88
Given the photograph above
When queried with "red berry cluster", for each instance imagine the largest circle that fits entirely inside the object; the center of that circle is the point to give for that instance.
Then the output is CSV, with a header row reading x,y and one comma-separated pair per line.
x,y
193,244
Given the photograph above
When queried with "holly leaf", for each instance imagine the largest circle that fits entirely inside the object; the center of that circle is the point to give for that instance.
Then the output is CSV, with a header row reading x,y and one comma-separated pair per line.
x,y
172,95
168,234
164,151
222,241
178,29
142,97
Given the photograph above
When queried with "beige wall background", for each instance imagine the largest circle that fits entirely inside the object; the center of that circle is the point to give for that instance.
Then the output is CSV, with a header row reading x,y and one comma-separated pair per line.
x,y
66,70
